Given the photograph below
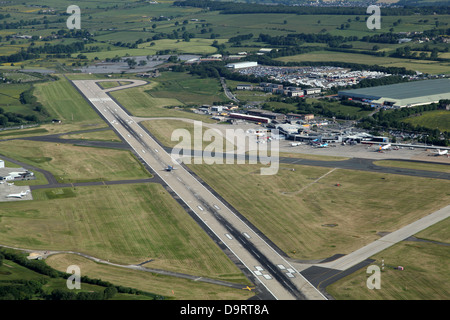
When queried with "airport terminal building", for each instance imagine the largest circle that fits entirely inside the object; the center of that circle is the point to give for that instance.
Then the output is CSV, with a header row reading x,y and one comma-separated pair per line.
x,y
401,95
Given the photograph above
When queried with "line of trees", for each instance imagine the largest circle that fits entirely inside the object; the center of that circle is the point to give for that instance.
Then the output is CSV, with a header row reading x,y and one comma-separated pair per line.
x,y
246,8
23,290
394,120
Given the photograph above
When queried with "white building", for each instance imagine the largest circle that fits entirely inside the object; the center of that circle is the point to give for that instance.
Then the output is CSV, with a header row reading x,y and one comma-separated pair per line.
x,y
240,65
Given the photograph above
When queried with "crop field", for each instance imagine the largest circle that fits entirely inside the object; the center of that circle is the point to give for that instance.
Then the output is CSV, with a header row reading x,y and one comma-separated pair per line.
x,y
125,224
72,164
297,208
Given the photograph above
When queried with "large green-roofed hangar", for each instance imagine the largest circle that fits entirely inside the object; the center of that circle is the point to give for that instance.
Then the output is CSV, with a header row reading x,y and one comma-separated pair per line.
x,y
407,94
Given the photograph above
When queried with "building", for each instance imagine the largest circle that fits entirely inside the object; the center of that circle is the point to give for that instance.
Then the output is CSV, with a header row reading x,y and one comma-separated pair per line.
x,y
312,91
249,117
244,87
240,65
295,116
11,174
267,114
400,95
216,108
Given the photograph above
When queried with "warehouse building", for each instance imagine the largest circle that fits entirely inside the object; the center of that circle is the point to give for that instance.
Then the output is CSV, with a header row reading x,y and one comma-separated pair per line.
x,y
240,65
401,95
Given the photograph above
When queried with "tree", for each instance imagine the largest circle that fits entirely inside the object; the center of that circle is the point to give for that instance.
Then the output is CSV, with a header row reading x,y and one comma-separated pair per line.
x,y
131,63
109,292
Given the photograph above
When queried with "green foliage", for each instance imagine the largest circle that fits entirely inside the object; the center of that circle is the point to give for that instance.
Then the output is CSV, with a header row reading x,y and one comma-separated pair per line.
x,y
28,289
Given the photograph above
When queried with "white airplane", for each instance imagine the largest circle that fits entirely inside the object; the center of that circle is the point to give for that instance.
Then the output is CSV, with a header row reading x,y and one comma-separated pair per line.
x,y
440,153
294,144
18,195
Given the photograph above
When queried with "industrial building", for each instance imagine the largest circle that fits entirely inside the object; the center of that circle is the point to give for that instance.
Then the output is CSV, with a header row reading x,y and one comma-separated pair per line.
x,y
401,95
11,174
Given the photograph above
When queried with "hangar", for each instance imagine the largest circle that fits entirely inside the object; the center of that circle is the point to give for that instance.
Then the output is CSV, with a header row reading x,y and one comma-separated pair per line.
x,y
401,95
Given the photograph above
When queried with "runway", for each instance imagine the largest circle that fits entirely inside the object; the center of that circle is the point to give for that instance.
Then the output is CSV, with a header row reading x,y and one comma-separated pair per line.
x,y
265,264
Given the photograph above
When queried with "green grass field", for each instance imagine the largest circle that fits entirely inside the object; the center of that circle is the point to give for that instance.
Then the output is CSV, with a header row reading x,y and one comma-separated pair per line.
x,y
164,129
439,119
293,210
71,164
146,101
170,287
64,102
188,89
412,165
10,272
425,274
127,224
103,135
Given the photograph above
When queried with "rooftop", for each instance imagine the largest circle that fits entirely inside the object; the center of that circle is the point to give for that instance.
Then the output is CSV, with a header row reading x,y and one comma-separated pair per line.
x,y
406,90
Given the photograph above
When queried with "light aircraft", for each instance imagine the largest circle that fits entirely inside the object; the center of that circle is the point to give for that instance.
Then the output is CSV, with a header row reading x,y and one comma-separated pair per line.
x,y
440,153
18,195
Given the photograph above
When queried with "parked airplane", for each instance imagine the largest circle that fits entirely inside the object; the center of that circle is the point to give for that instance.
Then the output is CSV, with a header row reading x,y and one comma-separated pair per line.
x,y
294,144
440,153
385,147
323,145
18,195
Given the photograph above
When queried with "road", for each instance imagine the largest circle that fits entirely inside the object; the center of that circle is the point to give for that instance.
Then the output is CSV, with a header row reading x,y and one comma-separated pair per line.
x,y
227,91
274,272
